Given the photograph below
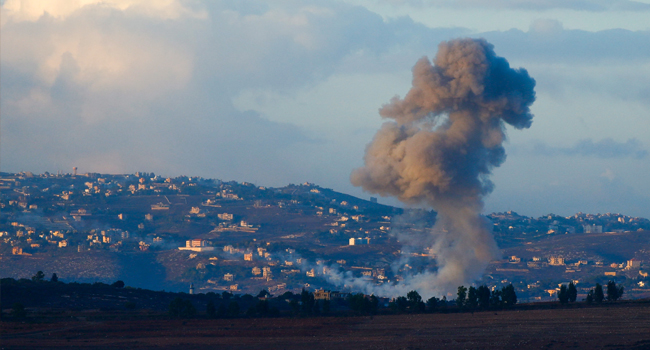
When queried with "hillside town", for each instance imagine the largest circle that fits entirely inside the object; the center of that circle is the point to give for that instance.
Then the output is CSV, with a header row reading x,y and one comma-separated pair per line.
x,y
238,237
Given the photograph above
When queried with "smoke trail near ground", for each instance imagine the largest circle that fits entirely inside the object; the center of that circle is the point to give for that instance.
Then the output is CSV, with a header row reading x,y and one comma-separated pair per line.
x,y
444,139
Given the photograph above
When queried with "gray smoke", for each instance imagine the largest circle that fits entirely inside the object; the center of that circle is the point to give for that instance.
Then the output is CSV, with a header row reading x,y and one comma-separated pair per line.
x,y
445,137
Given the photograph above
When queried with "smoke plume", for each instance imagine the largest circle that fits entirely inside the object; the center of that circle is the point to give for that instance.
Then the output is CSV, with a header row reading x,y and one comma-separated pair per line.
x,y
439,148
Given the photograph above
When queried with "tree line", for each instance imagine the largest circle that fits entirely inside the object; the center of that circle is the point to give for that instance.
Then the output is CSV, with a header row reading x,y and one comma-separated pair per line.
x,y
569,294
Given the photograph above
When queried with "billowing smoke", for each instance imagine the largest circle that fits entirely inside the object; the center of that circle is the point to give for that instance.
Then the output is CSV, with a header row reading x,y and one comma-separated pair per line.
x,y
438,150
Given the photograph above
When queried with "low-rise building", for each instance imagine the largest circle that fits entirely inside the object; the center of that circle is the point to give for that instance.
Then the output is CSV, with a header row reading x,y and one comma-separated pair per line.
x,y
197,245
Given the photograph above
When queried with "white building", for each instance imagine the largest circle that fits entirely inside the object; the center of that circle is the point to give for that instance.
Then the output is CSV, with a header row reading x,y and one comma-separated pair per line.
x,y
359,241
197,245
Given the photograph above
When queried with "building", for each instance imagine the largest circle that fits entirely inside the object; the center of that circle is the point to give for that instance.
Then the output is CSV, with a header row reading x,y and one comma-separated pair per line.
x,y
191,288
228,277
197,245
321,294
633,264
17,251
593,228
556,261
359,241
256,271
225,216
266,272
248,256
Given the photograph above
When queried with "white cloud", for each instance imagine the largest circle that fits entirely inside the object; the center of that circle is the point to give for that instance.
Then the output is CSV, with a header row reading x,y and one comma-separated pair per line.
x,y
536,5
33,10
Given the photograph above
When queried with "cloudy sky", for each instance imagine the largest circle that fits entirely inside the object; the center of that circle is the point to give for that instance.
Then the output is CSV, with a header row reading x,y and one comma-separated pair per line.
x,y
288,91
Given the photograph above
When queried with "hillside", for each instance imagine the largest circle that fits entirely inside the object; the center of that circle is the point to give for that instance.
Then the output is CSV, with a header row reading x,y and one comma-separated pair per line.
x,y
103,228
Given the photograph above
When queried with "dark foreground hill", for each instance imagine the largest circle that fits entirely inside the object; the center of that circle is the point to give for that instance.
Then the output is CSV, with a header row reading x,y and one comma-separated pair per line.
x,y
619,326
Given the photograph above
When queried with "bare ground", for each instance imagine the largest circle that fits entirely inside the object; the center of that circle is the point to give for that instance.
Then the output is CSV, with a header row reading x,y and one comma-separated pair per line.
x,y
606,327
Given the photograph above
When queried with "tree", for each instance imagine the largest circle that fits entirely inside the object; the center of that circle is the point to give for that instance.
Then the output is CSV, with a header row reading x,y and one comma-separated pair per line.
x,y
508,295
432,304
461,296
415,301
118,284
211,310
54,278
495,298
572,292
613,293
233,309
400,304
308,301
483,296
563,294
222,311
598,294
262,307
180,308
38,277
263,294
295,307
326,307
472,298
590,297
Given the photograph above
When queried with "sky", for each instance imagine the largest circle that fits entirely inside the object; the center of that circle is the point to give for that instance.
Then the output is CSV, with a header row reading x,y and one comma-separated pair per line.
x,y
289,91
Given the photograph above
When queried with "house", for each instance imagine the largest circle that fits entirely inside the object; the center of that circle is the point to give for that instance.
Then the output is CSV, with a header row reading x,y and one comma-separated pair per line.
x,y
197,245
248,256
359,241
556,261
228,277
266,272
321,294
633,264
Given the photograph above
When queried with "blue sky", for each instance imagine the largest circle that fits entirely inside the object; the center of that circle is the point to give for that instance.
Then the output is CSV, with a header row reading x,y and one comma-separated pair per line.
x,y
288,91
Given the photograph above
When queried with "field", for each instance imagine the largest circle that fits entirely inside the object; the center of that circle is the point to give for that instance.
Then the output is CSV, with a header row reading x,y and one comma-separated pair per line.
x,y
624,325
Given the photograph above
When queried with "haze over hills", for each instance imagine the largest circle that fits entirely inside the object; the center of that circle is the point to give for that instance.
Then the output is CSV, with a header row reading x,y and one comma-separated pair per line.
x,y
244,238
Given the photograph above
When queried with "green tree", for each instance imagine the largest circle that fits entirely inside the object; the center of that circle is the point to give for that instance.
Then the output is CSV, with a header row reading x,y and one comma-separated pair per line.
x,y
400,304
326,307
262,307
461,296
598,294
508,295
233,309
472,298
38,277
590,297
563,294
118,284
211,310
572,292
179,308
432,304
308,301
222,311
483,296
54,278
295,307
495,298
415,301
613,293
